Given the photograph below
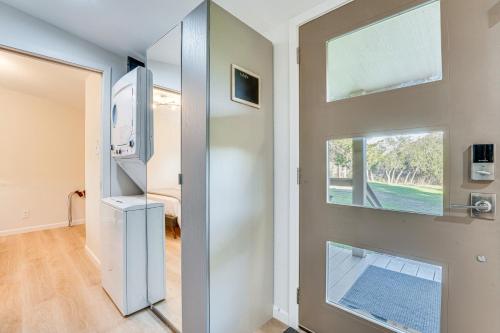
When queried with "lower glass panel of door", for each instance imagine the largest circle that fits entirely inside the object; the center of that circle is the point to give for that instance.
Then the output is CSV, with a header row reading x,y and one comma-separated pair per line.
x,y
400,294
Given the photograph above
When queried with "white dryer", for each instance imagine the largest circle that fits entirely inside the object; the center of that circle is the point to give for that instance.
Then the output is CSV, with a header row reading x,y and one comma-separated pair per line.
x,y
132,124
133,252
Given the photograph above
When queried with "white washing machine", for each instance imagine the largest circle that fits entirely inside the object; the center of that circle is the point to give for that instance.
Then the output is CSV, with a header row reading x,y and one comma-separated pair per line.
x,y
133,252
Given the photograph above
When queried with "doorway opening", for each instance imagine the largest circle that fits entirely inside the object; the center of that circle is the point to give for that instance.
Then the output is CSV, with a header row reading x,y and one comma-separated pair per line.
x,y
52,114
50,178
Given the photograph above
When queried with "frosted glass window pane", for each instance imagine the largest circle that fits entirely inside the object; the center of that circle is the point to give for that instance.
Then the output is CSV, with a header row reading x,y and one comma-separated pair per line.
x,y
400,51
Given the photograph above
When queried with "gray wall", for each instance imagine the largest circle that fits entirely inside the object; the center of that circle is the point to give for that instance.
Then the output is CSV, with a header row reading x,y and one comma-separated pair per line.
x,y
227,167
241,181
22,31
194,168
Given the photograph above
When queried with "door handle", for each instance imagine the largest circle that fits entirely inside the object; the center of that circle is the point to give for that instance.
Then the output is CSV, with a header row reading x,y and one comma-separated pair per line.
x,y
482,206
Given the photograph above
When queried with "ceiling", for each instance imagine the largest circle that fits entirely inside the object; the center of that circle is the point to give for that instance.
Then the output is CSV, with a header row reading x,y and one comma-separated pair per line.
x,y
266,15
124,27
129,27
45,79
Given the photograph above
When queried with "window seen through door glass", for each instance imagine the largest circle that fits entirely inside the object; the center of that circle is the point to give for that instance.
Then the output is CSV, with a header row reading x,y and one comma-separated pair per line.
x,y
401,172
401,51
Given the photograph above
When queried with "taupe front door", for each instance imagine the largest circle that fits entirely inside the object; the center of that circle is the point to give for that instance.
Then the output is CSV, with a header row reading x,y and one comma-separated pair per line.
x,y
406,232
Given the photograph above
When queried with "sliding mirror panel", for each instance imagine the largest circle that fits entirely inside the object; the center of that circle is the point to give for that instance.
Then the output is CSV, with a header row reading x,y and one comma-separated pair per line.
x,y
163,173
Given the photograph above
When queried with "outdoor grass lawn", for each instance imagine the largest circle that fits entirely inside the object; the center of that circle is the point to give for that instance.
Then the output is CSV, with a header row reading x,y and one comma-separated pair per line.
x,y
419,199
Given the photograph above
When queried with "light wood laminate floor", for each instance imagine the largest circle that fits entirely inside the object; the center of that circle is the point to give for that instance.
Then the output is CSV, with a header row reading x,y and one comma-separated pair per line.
x,y
49,284
272,326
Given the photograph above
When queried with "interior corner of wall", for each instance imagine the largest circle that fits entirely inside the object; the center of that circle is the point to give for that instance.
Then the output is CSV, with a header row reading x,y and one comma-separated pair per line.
x,y
280,315
93,257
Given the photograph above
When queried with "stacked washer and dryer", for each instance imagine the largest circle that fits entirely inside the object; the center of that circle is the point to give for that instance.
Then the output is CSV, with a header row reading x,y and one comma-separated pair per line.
x,y
132,227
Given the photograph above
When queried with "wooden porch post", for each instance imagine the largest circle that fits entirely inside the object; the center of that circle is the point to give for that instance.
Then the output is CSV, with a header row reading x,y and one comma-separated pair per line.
x,y
359,180
359,171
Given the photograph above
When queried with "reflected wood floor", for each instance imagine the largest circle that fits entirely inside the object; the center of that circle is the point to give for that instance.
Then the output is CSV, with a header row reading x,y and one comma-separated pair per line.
x,y
49,284
171,307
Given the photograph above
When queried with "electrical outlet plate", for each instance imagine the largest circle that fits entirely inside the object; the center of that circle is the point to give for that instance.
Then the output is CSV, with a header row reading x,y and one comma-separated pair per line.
x,y
491,198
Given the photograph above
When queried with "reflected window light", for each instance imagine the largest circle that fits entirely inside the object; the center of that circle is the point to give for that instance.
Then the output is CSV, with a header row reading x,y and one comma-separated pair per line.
x,y
165,97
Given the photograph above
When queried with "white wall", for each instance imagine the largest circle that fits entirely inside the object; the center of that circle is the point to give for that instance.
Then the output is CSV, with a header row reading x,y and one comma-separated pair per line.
x,y
43,161
93,128
165,165
281,172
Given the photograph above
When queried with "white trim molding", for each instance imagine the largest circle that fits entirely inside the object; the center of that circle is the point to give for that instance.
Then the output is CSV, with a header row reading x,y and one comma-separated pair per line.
x,y
39,227
280,315
95,260
293,35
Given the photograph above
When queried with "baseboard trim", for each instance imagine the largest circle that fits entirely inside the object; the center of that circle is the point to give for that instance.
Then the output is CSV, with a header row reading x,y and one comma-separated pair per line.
x,y
92,256
280,315
23,230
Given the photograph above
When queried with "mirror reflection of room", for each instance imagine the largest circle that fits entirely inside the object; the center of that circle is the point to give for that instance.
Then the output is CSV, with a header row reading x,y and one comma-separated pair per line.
x,y
164,167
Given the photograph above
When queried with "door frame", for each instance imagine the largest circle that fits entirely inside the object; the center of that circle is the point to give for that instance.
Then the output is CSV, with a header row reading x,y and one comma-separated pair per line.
x,y
106,78
293,99
105,72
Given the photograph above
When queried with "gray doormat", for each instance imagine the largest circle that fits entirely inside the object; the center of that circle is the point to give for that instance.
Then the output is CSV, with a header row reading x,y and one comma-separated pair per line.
x,y
290,330
399,298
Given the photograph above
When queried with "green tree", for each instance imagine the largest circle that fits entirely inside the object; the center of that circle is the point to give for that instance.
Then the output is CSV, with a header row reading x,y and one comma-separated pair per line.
x,y
340,158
